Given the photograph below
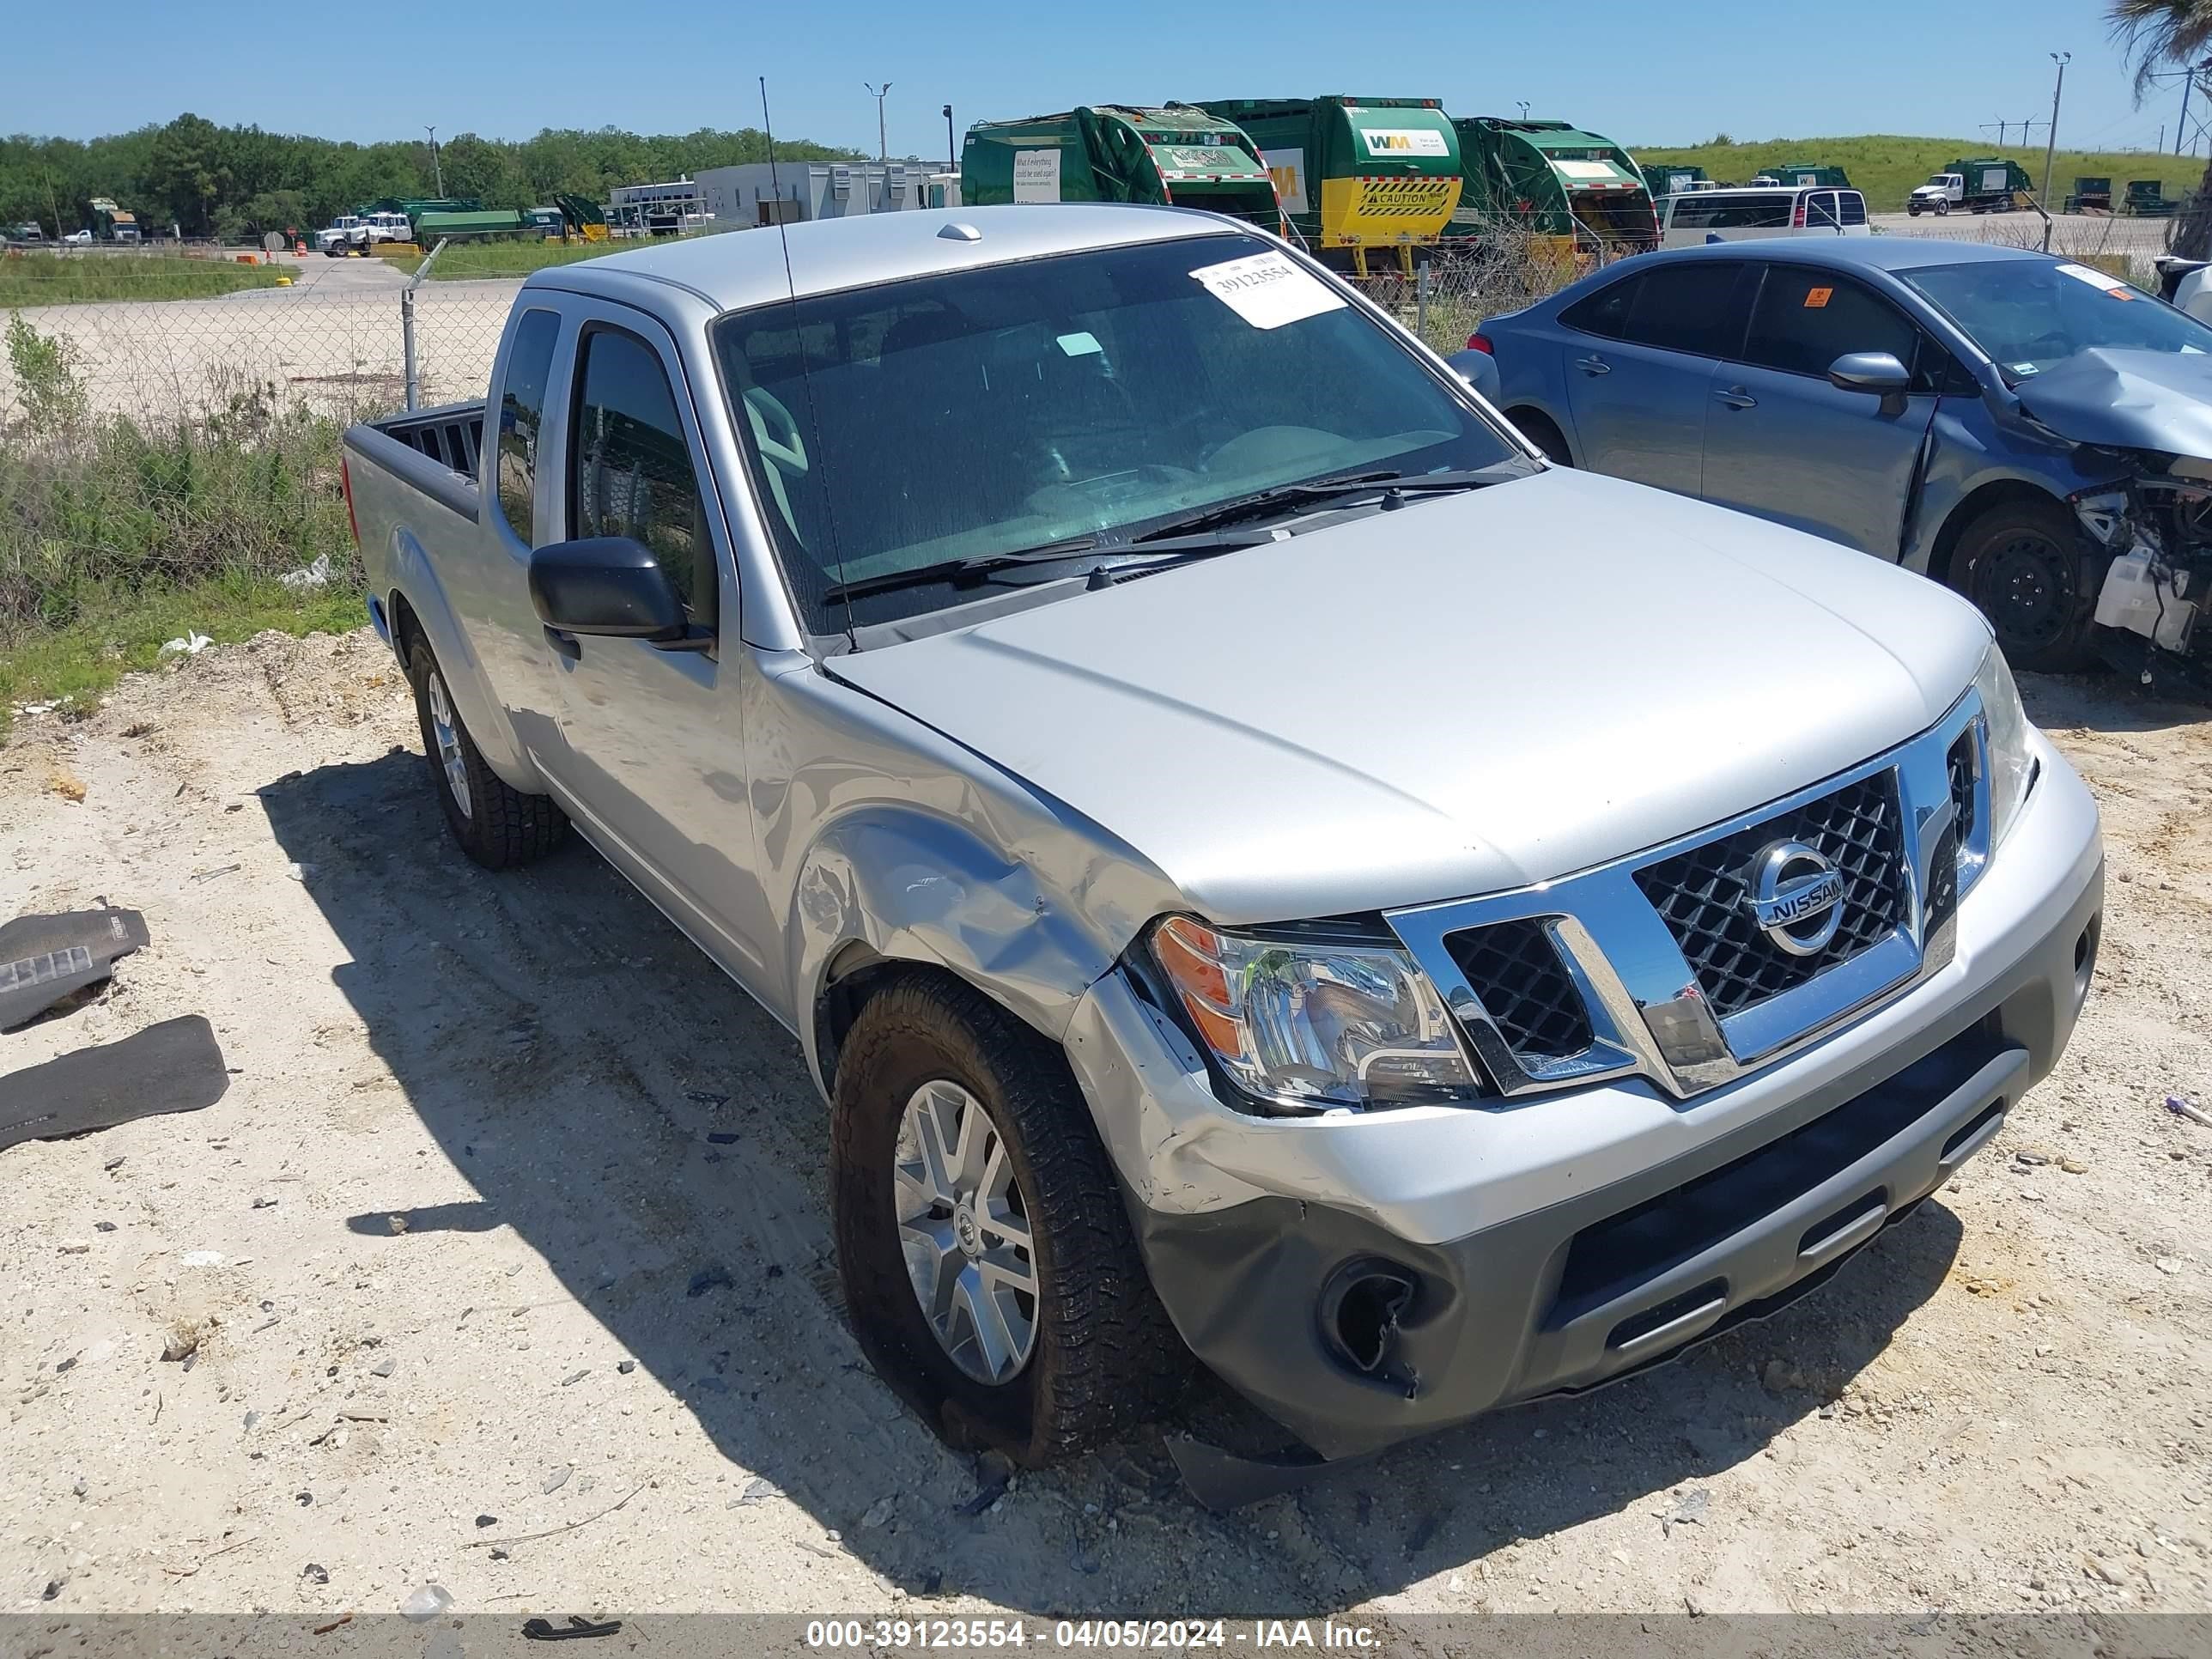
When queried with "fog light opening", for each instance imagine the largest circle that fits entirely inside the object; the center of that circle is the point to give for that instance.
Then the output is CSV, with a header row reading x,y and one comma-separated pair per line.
x,y
2085,957
1361,1308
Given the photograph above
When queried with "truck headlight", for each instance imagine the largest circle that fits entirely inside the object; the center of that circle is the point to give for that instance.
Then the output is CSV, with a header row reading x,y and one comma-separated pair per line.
x,y
2012,763
1315,1023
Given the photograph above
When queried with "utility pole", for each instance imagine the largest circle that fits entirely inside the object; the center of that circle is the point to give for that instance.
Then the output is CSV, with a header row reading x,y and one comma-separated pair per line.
x,y
951,154
437,167
883,145
2051,139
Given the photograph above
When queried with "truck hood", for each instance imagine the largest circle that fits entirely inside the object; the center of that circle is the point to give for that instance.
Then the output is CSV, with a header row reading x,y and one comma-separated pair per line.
x,y
1468,694
2158,400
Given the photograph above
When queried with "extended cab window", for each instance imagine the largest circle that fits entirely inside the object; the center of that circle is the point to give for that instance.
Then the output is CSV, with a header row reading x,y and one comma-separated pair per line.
x,y
973,415
1806,318
521,408
630,470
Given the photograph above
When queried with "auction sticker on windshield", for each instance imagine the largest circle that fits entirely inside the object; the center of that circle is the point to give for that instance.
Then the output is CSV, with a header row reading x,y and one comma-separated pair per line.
x,y
1267,291
2112,285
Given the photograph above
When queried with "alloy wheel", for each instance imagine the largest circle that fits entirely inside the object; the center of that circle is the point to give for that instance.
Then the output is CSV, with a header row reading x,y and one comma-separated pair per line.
x,y
964,1229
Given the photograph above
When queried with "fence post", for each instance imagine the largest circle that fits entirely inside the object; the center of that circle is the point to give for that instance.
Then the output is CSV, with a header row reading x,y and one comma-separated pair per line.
x,y
407,327
1421,299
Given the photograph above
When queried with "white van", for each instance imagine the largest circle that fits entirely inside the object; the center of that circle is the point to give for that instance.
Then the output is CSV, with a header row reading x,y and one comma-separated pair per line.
x,y
1747,213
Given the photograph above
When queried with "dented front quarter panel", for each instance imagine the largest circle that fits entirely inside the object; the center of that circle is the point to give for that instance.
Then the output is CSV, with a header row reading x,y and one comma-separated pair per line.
x,y
877,831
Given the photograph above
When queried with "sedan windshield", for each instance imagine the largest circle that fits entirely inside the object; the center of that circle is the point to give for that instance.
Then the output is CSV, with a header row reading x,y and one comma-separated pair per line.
x,y
947,421
2032,314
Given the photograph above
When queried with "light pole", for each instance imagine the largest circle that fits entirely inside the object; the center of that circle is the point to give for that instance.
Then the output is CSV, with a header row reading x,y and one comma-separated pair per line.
x,y
883,146
437,168
1523,103
952,151
2051,139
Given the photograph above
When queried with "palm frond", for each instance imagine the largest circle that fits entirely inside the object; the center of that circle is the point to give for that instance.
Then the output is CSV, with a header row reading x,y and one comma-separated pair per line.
x,y
2159,34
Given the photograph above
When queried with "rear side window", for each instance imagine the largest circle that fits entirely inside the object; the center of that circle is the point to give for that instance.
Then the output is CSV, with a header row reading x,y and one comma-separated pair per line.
x,y
1851,206
1806,318
1605,313
630,466
1763,211
521,411
1691,306
1821,210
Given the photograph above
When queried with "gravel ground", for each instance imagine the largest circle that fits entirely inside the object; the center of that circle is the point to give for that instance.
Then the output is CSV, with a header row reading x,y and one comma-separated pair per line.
x,y
518,1222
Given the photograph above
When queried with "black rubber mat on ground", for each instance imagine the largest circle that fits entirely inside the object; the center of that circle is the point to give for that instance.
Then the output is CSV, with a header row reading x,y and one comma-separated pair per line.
x,y
44,958
174,1066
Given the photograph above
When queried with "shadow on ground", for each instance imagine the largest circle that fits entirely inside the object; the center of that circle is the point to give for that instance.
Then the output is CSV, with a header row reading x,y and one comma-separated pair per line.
x,y
652,1134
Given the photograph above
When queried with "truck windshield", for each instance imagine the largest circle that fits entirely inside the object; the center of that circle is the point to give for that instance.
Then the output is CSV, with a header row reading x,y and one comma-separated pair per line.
x,y
2030,314
960,417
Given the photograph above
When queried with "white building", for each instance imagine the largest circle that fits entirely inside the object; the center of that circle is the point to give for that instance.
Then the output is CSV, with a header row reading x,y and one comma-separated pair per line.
x,y
676,205
749,194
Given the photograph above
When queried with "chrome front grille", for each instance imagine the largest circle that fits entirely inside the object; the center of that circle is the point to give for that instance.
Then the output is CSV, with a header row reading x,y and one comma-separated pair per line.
x,y
1525,987
1662,965
1702,895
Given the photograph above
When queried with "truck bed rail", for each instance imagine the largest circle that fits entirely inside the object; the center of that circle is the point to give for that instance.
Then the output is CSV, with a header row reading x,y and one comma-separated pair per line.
x,y
451,435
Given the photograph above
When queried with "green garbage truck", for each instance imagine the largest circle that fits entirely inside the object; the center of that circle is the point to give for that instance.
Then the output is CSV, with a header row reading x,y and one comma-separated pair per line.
x,y
1180,155
1553,179
1665,179
1800,173
1356,175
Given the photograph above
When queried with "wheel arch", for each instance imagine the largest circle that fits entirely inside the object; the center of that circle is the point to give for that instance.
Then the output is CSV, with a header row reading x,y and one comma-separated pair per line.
x,y
1521,414
416,608
1998,492
890,892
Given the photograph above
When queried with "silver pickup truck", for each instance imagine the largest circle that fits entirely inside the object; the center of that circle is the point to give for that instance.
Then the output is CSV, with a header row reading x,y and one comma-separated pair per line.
x,y
1260,865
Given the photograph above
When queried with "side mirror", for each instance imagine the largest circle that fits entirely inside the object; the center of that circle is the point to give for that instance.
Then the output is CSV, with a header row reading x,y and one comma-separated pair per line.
x,y
608,586
1479,370
1876,372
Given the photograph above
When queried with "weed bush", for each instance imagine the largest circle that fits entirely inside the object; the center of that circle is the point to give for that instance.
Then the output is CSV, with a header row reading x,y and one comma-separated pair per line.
x,y
98,510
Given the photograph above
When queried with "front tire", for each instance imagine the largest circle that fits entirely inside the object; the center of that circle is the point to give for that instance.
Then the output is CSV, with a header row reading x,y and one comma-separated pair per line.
x,y
496,825
2021,564
987,1260
1912,210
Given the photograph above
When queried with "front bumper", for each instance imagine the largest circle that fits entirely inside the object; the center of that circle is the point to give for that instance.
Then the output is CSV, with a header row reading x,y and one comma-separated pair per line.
x,y
1555,1244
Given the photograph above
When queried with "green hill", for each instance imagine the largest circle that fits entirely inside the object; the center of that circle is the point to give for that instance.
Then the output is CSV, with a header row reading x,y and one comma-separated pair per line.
x,y
1886,166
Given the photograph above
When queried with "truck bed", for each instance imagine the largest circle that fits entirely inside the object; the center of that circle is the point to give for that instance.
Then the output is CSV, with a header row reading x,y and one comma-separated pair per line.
x,y
451,435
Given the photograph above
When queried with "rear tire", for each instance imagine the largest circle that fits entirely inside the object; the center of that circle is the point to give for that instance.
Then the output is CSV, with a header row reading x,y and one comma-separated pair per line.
x,y
1540,430
495,824
1087,1354
2022,565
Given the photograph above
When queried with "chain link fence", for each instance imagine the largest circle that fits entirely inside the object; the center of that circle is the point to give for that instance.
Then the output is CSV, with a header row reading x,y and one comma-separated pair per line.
x,y
163,339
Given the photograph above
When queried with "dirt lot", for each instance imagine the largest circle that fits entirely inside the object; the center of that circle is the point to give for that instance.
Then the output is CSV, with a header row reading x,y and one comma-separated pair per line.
x,y
520,1223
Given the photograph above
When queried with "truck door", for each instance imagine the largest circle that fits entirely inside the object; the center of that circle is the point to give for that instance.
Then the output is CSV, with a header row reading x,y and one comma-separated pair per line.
x,y
1782,442
651,761
1640,354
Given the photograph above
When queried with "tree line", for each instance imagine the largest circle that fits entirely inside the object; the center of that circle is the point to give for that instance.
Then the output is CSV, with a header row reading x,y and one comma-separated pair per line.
x,y
237,183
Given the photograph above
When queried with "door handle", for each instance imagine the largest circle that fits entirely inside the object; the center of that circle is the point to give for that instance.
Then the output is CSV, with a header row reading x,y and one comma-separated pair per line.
x,y
565,644
1736,397
1593,365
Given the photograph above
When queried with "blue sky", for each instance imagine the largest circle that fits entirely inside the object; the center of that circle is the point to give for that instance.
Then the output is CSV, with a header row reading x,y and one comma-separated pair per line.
x,y
1648,73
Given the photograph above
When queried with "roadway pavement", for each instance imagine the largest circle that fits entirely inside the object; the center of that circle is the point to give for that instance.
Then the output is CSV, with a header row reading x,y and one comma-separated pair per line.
x,y
2070,233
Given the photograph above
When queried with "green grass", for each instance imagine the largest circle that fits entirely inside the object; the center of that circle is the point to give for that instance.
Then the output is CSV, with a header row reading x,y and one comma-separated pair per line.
x,y
116,534
1885,167
118,631
464,260
60,279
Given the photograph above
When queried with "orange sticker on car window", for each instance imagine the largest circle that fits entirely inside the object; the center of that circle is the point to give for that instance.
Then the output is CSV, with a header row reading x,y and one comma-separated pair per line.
x,y
1817,297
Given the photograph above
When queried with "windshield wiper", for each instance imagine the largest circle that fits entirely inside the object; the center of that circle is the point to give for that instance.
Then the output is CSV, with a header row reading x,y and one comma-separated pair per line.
x,y
961,572
1318,491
